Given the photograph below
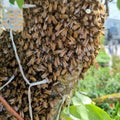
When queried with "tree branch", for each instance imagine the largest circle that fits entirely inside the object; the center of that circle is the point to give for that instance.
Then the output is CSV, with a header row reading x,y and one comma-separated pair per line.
x,y
107,98
9,108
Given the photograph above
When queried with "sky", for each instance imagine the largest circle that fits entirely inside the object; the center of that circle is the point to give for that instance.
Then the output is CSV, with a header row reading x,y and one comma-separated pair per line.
x,y
114,11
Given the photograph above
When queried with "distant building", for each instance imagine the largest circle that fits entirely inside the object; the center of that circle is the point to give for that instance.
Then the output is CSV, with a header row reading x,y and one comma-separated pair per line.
x,y
13,15
112,30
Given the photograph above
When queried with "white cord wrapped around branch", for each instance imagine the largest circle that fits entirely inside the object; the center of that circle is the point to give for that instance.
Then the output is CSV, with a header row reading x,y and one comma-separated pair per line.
x,y
23,75
17,57
29,94
9,81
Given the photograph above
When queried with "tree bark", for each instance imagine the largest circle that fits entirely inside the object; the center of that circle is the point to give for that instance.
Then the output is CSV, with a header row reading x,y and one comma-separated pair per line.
x,y
107,98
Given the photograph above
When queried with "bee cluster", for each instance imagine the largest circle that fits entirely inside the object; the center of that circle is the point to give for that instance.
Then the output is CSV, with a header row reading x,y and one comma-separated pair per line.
x,y
60,41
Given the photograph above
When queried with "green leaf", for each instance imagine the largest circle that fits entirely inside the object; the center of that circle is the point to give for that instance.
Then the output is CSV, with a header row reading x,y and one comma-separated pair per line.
x,y
20,3
96,113
118,4
79,112
84,99
12,1
76,101
65,114
84,112
75,113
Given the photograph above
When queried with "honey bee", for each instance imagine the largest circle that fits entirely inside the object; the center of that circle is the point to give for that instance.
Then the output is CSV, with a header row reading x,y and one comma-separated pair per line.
x,y
60,44
44,26
63,10
53,37
41,68
40,19
29,53
75,34
31,62
33,79
50,7
76,26
55,5
64,71
36,117
43,118
86,58
53,46
64,32
57,62
35,35
58,72
44,14
48,92
44,75
26,46
3,78
57,28
78,50
36,10
63,52
54,76
50,67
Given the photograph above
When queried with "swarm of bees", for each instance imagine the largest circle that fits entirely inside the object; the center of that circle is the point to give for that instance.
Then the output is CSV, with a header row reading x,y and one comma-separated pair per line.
x,y
60,41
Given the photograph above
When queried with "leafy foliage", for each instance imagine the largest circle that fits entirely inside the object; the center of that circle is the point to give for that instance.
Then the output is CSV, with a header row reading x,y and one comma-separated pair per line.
x,y
12,1
103,57
101,81
81,110
118,4
19,2
116,112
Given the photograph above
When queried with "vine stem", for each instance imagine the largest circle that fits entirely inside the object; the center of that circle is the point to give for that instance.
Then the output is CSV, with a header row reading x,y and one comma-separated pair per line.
x,y
10,109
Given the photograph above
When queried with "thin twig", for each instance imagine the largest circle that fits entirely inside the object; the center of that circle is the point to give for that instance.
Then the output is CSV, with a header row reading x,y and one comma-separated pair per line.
x,y
10,80
10,109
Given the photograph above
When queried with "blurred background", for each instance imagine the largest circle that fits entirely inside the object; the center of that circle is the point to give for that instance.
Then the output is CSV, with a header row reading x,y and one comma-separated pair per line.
x,y
102,80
